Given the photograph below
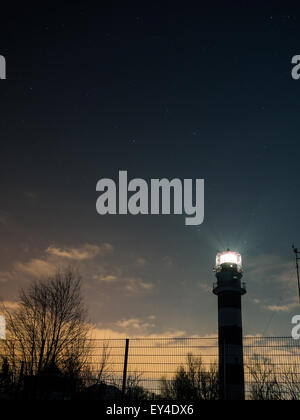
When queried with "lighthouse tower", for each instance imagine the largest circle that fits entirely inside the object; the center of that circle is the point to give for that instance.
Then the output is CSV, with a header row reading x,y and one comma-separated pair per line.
x,y
229,290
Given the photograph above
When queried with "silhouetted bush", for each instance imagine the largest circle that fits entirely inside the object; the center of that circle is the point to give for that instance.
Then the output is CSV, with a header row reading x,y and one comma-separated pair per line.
x,y
193,382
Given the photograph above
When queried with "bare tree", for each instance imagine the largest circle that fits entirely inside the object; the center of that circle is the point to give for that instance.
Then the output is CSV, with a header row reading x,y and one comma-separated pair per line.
x,y
134,389
271,382
99,369
193,382
290,377
48,327
265,384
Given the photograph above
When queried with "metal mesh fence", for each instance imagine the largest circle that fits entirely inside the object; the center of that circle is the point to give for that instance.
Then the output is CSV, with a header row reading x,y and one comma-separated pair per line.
x,y
170,367
150,359
271,364
272,368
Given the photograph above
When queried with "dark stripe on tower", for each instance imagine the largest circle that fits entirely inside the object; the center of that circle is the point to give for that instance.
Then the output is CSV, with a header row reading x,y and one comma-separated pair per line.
x,y
231,335
229,300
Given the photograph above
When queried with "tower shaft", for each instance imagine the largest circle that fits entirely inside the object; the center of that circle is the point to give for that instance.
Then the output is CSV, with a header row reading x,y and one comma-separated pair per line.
x,y
231,366
229,290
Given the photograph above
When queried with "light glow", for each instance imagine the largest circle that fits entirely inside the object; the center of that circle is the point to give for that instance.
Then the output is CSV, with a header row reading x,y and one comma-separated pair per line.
x,y
228,257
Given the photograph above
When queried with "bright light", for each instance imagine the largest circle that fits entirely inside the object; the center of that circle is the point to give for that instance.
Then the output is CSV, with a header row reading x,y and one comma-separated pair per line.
x,y
228,257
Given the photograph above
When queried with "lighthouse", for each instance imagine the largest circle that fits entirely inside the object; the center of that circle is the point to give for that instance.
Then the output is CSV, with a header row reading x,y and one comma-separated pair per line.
x,y
229,289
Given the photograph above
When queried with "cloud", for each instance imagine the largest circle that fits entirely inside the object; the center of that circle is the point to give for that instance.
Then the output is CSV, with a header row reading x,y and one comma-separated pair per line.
x,y
55,258
35,267
273,276
136,284
277,308
84,252
270,267
109,333
141,262
134,323
6,276
282,308
204,287
107,279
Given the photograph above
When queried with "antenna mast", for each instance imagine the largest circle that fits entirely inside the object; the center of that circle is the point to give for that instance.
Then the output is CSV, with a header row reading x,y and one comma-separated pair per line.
x,y
297,257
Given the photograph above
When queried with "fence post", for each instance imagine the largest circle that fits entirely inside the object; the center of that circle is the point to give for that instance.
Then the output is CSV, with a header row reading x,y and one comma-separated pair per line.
x,y
125,367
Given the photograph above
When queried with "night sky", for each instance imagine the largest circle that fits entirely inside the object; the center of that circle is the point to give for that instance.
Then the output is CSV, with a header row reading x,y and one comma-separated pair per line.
x,y
160,89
